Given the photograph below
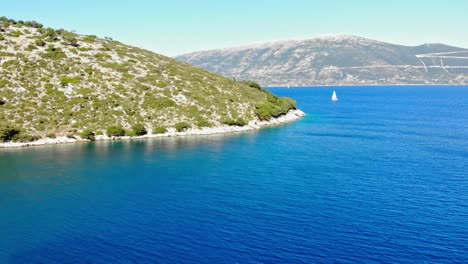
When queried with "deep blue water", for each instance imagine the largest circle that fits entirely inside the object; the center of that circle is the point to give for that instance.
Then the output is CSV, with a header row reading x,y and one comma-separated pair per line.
x,y
380,176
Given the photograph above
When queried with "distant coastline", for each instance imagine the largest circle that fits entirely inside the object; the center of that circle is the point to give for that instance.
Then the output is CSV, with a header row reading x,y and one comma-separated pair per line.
x,y
337,59
291,116
364,85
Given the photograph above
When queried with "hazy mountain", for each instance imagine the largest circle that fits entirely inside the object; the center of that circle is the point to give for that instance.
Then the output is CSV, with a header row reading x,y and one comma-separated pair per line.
x,y
55,81
336,60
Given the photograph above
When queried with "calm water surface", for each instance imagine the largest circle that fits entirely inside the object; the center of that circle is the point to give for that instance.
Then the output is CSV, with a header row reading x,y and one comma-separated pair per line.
x,y
379,176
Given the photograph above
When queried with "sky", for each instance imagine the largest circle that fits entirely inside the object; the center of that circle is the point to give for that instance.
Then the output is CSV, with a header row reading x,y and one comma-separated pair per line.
x,y
175,27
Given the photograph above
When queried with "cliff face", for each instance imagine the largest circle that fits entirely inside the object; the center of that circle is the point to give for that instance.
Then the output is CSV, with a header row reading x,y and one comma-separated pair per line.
x,y
336,60
55,81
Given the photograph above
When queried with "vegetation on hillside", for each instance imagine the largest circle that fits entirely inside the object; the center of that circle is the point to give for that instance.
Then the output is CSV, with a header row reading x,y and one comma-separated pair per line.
x,y
274,106
55,82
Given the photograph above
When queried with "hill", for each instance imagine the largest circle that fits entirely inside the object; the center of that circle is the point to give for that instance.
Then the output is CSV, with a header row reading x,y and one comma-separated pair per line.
x,y
336,60
56,83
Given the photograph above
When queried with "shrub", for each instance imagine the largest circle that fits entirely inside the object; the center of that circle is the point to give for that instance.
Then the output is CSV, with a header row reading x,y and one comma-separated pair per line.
x,y
127,76
53,53
3,83
130,133
40,42
50,34
71,40
51,135
15,34
287,103
274,107
115,131
272,98
182,126
1,37
159,130
24,138
201,122
64,80
253,85
235,122
139,129
88,134
7,54
102,56
40,127
158,103
264,110
9,63
33,24
30,47
116,66
83,49
89,39
89,70
8,132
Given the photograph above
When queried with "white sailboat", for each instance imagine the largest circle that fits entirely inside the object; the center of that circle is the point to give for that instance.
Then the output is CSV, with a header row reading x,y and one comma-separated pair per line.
x,y
334,97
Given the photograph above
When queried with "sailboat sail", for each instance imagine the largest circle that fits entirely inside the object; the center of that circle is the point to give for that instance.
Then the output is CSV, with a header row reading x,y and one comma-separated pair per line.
x,y
334,97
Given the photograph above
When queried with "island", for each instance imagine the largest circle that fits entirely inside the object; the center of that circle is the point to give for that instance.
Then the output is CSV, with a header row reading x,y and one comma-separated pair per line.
x,y
57,86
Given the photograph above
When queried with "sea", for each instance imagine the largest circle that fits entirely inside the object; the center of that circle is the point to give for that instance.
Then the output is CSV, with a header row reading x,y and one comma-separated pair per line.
x,y
380,176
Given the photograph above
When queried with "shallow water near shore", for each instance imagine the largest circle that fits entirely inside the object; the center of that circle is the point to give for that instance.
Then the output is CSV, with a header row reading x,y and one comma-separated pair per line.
x,y
379,176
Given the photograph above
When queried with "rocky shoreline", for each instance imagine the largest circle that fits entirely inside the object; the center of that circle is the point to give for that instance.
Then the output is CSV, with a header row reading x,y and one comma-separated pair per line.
x,y
254,125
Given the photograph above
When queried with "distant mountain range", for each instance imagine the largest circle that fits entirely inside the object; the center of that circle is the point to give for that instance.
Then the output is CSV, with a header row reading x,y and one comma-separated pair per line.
x,y
336,60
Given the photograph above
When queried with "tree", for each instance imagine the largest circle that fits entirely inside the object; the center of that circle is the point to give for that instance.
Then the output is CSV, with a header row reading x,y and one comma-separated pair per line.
x,y
40,42
139,129
159,130
71,40
50,33
89,70
254,85
287,103
33,24
130,133
235,122
8,132
88,134
263,110
182,126
24,138
115,131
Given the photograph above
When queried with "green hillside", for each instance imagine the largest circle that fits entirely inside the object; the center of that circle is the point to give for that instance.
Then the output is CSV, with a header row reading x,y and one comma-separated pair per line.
x,y
57,82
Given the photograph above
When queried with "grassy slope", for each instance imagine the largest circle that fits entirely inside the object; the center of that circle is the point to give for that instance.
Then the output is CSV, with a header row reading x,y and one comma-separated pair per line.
x,y
57,81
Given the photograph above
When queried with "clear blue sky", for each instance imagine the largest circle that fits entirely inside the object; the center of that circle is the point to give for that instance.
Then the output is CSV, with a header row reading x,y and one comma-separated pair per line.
x,y
178,26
